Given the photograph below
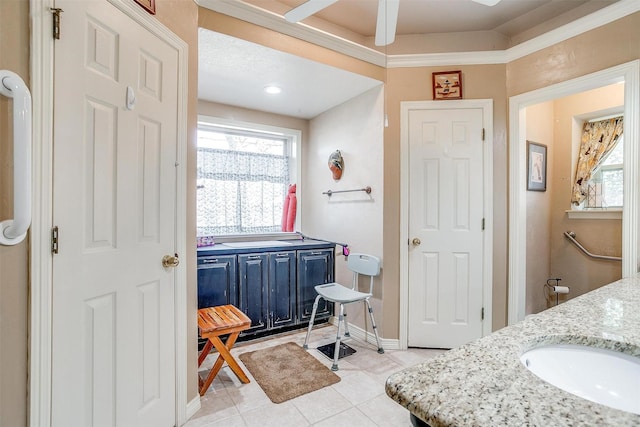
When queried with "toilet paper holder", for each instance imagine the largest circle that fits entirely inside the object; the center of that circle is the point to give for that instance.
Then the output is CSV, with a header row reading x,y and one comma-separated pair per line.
x,y
556,288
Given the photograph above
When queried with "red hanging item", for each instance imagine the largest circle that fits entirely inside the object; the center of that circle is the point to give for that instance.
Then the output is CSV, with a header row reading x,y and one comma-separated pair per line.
x,y
289,209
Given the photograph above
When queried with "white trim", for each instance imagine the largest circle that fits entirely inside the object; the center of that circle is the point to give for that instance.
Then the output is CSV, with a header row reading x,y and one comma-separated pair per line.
x,y
487,280
193,406
594,214
41,262
368,337
42,65
457,58
630,74
275,22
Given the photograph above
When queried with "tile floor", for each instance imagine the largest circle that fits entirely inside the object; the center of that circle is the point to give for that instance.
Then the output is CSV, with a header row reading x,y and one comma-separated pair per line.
x,y
358,399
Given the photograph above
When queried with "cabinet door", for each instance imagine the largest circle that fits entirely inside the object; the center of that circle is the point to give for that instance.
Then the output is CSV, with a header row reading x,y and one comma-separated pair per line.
x,y
217,281
282,288
253,290
315,267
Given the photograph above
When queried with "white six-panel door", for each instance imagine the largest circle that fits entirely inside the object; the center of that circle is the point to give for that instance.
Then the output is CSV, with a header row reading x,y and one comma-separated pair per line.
x,y
114,192
445,227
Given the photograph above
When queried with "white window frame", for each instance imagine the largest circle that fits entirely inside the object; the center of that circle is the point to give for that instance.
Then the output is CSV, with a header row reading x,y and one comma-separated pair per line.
x,y
613,212
294,144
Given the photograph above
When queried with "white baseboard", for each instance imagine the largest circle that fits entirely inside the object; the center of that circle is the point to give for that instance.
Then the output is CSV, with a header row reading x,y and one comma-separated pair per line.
x,y
361,334
193,406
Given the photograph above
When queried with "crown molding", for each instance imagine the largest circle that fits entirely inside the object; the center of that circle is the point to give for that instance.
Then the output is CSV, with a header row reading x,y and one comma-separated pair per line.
x,y
594,20
457,58
264,18
275,22
597,19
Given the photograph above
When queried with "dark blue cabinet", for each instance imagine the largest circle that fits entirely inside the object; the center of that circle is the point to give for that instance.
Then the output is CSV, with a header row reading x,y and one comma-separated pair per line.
x,y
315,267
273,287
217,282
253,290
282,289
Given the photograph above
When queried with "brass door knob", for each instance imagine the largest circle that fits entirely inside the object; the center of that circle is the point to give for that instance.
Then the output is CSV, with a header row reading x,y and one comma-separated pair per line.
x,y
170,261
416,241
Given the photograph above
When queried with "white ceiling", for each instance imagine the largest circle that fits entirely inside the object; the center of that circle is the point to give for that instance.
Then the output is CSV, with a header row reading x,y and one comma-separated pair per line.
x,y
234,72
509,18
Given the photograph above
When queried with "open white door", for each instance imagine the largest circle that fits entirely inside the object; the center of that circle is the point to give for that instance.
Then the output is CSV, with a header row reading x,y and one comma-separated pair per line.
x,y
114,203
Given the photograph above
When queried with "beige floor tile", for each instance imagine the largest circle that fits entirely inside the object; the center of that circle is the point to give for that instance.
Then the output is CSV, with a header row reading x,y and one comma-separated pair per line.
x,y
349,418
281,415
216,420
321,404
359,387
357,400
413,356
385,412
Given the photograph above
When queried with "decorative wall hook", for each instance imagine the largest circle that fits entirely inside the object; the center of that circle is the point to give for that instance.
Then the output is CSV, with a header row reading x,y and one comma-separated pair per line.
x,y
336,164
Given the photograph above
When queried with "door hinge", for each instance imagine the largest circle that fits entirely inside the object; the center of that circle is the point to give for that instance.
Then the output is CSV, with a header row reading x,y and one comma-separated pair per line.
x,y
56,22
482,224
482,314
483,134
54,240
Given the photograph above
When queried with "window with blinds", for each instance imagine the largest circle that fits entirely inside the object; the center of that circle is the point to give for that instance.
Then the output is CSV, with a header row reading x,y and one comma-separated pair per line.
x,y
242,179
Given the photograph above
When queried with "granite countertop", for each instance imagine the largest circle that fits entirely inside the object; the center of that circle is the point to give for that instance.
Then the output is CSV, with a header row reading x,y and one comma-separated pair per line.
x,y
483,383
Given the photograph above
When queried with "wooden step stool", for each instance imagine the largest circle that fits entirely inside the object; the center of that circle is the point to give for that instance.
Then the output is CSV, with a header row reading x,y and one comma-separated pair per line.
x,y
214,322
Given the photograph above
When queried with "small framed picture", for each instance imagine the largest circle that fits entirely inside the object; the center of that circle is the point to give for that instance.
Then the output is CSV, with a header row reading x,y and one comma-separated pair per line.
x,y
536,166
149,5
447,85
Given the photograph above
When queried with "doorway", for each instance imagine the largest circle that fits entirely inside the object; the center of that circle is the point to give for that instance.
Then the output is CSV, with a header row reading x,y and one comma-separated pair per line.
x,y
40,400
627,73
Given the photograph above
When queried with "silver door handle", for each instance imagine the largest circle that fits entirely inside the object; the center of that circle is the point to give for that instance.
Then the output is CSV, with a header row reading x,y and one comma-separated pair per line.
x,y
416,241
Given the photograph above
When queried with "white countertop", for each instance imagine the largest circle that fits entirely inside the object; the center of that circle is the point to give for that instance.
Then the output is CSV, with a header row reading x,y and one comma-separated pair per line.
x,y
483,383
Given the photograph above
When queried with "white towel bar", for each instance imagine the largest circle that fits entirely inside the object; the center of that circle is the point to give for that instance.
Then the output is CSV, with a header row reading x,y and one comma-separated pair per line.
x,y
13,231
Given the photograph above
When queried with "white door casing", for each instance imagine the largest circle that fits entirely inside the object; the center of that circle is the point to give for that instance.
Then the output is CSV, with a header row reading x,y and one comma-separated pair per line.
x,y
145,146
446,200
629,73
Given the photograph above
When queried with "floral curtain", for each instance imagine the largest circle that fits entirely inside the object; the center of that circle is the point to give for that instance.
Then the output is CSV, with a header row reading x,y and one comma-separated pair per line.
x,y
598,139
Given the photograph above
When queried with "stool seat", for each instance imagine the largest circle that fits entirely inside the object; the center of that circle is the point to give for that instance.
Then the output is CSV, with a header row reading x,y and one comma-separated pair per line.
x,y
214,322
222,319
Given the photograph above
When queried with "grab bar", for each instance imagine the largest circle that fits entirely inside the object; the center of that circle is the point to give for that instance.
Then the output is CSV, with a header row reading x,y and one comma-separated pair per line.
x,y
13,231
571,236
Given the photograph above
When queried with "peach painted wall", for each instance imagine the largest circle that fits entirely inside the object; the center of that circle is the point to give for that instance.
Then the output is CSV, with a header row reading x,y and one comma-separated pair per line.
x,y
414,84
14,267
579,272
540,121
356,129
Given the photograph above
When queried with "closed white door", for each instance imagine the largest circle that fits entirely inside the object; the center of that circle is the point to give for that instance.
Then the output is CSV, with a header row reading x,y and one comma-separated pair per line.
x,y
445,227
114,192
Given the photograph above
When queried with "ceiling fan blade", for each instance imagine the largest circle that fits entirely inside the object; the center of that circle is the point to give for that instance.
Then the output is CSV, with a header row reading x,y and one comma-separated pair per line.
x,y
307,9
487,2
387,20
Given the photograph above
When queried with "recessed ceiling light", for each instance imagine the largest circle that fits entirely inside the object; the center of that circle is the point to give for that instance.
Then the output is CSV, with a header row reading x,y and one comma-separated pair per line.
x,y
272,89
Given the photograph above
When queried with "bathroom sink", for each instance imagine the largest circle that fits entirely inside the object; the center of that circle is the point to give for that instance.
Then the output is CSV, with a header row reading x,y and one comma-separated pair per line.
x,y
603,376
